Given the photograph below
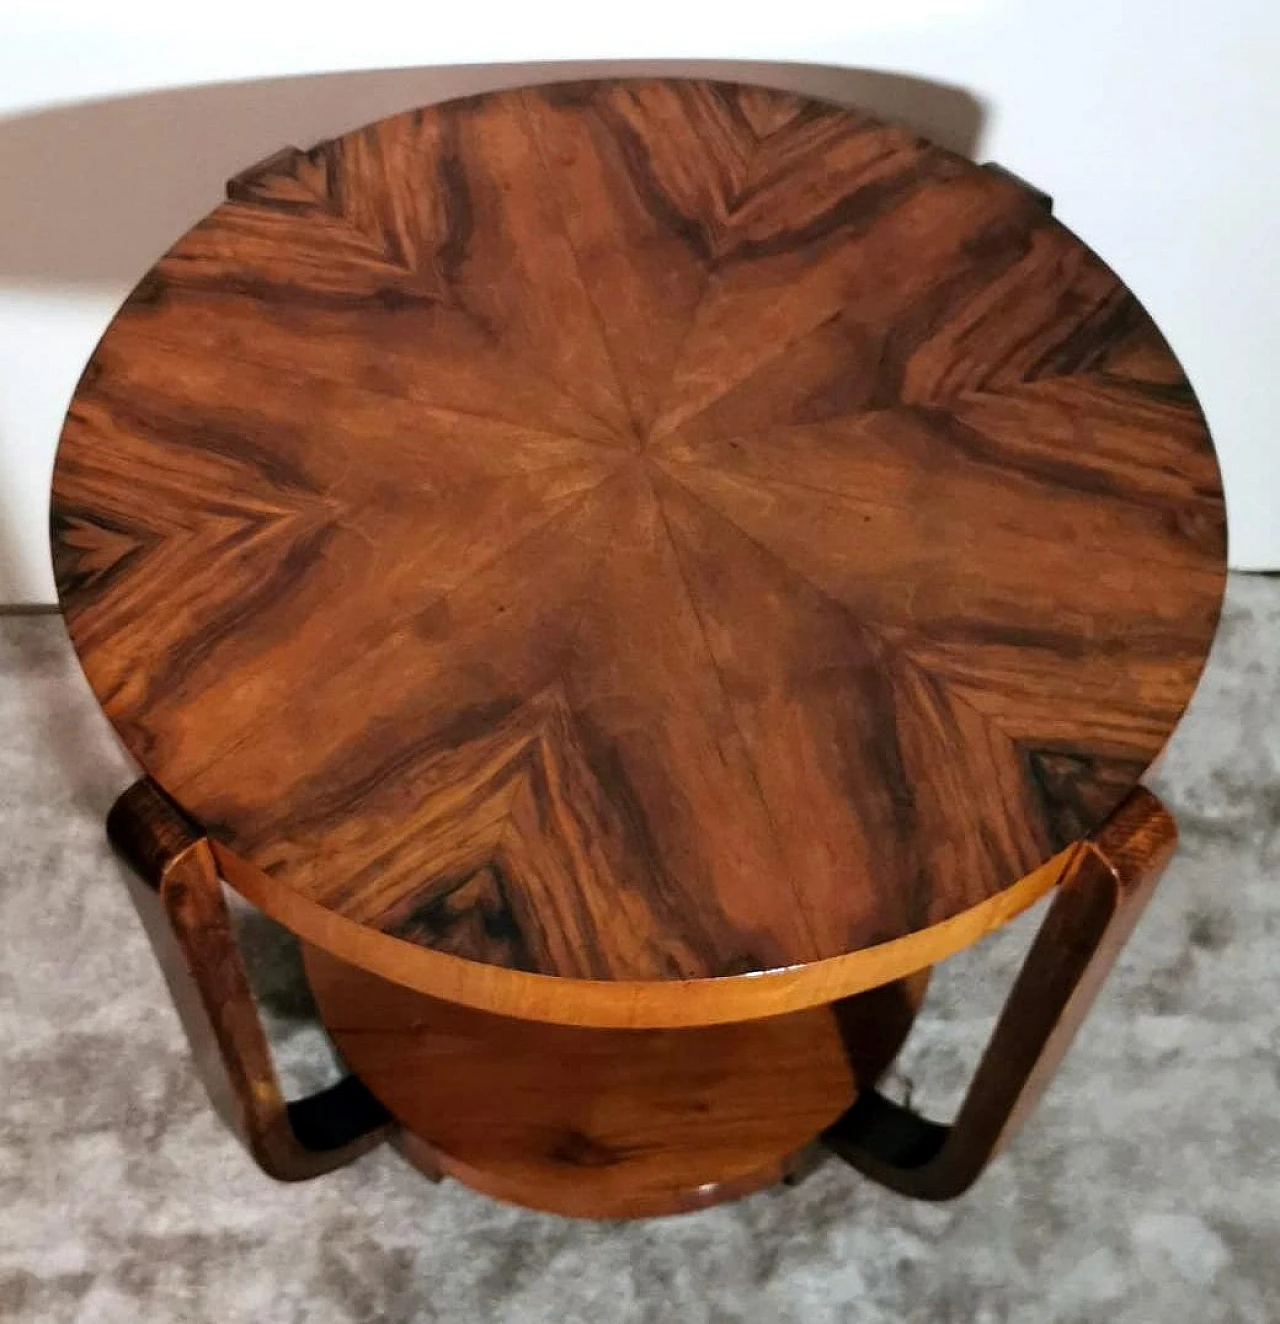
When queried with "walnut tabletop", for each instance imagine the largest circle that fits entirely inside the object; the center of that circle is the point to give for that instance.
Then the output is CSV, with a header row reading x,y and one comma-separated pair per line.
x,y
642,533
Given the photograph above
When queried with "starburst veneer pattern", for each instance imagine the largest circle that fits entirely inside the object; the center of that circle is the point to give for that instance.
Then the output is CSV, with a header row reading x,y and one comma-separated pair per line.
x,y
639,533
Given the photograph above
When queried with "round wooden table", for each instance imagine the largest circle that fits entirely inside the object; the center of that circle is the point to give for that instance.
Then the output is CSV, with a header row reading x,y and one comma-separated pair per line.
x,y
633,574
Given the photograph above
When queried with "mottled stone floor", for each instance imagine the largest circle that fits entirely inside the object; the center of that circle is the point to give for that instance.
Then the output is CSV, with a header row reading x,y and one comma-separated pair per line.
x,y
1145,1191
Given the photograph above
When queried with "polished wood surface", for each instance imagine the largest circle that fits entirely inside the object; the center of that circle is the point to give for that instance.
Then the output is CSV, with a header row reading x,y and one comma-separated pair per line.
x,y
644,533
175,888
1107,883
633,1003
602,1123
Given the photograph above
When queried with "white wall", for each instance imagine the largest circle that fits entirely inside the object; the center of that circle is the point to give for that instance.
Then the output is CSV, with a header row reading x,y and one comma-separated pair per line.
x,y
1153,123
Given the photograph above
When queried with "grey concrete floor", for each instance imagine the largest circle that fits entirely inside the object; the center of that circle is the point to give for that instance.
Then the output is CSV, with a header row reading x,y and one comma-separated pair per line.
x,y
1145,1191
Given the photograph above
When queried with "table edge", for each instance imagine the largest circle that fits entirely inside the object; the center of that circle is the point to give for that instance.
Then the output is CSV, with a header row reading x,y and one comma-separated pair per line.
x,y
633,1004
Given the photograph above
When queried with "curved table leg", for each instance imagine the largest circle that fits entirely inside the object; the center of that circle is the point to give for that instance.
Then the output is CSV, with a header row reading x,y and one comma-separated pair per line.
x,y
179,898
1105,885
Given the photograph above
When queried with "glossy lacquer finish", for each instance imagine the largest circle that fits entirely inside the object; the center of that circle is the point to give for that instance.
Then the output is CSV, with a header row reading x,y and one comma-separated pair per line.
x,y
642,533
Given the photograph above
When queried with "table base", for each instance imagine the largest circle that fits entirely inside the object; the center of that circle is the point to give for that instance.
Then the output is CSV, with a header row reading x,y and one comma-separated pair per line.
x,y
606,1123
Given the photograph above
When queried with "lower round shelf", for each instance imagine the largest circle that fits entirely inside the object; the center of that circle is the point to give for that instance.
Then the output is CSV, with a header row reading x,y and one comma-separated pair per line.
x,y
605,1123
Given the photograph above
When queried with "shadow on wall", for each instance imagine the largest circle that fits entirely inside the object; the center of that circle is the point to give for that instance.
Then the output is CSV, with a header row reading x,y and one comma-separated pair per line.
x,y
95,191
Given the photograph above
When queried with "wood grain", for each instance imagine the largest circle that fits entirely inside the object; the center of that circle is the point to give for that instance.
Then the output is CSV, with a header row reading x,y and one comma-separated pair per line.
x,y
606,1123
640,533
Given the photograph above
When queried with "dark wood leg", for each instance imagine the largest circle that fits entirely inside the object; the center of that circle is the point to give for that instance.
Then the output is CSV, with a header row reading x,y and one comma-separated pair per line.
x,y
1105,885
179,898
